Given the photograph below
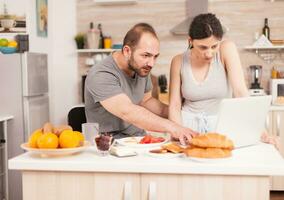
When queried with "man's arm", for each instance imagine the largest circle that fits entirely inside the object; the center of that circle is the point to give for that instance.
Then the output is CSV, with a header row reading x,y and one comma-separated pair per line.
x,y
154,105
121,106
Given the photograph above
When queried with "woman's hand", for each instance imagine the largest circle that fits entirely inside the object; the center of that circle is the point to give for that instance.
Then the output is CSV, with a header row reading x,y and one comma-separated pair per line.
x,y
266,138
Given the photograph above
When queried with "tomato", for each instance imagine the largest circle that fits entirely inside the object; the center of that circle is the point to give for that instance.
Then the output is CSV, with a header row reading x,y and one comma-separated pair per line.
x,y
157,139
146,139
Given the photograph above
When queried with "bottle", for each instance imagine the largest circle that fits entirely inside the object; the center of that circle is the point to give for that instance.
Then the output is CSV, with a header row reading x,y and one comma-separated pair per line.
x,y
274,73
101,40
93,37
107,42
266,29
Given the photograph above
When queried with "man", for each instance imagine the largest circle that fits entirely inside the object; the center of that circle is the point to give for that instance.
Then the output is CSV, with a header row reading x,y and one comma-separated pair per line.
x,y
118,90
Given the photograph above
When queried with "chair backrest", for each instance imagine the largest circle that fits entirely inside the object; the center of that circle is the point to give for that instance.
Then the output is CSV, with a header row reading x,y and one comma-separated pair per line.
x,y
76,117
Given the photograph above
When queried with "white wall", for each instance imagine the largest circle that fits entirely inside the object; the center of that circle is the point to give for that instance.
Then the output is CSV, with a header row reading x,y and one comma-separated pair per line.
x,y
61,50
14,6
63,59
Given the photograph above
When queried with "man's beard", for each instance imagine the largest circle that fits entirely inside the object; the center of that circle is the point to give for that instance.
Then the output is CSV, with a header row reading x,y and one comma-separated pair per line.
x,y
132,65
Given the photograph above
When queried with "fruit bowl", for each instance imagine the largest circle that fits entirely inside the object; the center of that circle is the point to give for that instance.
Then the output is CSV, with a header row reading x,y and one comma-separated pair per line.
x,y
8,50
55,152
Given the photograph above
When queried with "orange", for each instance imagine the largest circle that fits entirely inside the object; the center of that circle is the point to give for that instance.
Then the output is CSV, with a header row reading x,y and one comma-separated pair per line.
x,y
34,137
81,138
69,139
47,141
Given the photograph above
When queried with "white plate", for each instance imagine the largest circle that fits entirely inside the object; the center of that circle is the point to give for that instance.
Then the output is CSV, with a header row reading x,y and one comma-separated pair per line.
x,y
164,155
134,142
55,152
209,160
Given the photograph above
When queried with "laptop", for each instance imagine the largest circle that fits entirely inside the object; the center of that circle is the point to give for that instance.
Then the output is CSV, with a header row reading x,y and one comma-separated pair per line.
x,y
243,119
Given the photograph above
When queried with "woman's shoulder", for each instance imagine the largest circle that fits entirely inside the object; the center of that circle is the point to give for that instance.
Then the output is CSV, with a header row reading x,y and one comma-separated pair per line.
x,y
227,44
176,60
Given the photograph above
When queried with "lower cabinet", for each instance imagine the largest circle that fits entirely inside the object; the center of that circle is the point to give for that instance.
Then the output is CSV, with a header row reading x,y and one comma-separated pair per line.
x,y
74,186
276,128
40,185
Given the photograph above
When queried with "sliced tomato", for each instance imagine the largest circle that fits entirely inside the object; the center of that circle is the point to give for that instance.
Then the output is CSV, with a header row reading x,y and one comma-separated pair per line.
x,y
146,139
157,139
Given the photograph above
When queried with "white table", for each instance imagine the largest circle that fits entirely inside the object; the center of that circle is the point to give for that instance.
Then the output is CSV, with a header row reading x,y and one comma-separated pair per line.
x,y
87,176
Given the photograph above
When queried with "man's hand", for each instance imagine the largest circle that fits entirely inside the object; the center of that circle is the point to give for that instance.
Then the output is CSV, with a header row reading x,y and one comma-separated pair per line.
x,y
184,135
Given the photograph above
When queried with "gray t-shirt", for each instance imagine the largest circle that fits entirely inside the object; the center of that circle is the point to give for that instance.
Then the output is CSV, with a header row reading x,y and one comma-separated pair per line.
x,y
106,80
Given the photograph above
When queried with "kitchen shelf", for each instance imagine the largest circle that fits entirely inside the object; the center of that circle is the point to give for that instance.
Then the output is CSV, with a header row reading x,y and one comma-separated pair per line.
x,y
275,47
95,50
268,54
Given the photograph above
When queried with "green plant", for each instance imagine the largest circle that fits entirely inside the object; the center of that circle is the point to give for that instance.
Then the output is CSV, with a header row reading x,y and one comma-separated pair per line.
x,y
80,40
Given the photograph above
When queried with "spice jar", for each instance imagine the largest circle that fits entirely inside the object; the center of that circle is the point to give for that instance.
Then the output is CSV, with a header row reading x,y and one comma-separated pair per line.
x,y
107,42
274,73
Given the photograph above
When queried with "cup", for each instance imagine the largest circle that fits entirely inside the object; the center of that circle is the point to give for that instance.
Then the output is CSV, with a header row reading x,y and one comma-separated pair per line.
x,y
103,142
8,23
90,131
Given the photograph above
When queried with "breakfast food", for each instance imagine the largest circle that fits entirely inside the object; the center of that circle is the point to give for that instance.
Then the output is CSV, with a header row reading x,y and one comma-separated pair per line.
x,y
51,137
103,141
208,152
148,139
173,147
213,140
210,145
169,148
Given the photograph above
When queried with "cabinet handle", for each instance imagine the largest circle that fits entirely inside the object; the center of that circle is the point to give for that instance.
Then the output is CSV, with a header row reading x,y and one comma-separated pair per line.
x,y
127,190
278,124
152,191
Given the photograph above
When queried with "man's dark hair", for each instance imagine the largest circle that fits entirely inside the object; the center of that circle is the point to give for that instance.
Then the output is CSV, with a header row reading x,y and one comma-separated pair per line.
x,y
204,26
133,36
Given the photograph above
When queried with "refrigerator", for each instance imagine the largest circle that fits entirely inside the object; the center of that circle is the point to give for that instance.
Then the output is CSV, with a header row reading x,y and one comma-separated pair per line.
x,y
24,95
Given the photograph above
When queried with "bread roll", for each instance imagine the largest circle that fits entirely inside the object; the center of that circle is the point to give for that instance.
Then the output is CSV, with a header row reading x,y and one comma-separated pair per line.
x,y
212,140
208,152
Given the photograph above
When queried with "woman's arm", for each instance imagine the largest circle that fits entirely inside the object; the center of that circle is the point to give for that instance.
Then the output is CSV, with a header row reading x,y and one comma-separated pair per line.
x,y
175,90
231,60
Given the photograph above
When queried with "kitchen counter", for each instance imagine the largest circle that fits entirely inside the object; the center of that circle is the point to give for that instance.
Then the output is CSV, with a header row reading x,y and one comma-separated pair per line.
x,y
254,160
244,176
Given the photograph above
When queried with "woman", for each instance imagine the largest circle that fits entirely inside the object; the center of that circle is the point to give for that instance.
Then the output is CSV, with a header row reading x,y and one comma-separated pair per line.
x,y
202,76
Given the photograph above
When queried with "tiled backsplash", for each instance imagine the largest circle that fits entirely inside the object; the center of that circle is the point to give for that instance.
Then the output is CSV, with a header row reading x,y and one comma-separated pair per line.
x,y
243,18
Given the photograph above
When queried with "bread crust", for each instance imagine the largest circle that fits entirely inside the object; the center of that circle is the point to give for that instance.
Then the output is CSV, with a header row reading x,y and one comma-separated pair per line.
x,y
208,152
173,147
212,140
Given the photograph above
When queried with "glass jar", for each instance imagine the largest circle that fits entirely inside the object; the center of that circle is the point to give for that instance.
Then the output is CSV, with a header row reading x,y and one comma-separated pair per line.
x,y
107,42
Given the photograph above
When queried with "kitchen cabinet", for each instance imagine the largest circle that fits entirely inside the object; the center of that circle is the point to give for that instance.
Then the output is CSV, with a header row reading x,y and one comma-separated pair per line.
x,y
128,186
74,186
276,128
89,176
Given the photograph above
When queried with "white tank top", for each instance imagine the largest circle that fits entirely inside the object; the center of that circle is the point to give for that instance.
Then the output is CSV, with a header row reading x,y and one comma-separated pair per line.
x,y
204,97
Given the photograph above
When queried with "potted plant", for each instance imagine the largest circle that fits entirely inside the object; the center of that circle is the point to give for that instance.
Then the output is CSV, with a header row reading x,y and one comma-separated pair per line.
x,y
80,40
